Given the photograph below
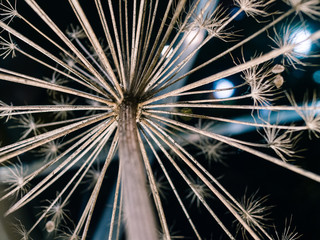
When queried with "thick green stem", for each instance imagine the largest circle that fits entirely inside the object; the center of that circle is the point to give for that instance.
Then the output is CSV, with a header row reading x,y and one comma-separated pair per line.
x,y
138,214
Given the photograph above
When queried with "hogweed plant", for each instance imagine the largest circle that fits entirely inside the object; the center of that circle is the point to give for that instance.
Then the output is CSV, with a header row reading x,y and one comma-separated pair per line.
x,y
117,107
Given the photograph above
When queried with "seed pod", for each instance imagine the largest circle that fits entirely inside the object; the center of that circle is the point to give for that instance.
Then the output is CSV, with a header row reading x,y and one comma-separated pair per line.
x,y
278,68
50,226
278,81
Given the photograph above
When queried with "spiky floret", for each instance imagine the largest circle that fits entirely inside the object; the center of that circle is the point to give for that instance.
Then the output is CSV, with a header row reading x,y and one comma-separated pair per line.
x,y
7,112
199,191
253,211
261,81
212,23
55,79
30,125
16,179
68,234
289,232
8,10
55,214
214,151
311,117
254,7
21,231
8,47
62,100
282,142
161,184
286,36
50,150
75,32
308,7
92,177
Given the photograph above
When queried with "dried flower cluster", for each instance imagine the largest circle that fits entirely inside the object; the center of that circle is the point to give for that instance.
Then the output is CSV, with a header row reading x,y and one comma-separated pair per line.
x,y
118,124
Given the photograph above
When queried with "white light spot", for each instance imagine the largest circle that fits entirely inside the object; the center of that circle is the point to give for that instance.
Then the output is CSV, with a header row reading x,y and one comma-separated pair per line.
x,y
300,36
165,48
316,76
223,84
194,37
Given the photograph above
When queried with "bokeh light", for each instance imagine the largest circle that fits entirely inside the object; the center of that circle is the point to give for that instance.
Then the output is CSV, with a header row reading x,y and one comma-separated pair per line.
x,y
165,48
316,76
301,36
223,84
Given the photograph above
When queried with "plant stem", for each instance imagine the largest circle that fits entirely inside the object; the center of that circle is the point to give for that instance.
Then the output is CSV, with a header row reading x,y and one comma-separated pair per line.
x,y
138,212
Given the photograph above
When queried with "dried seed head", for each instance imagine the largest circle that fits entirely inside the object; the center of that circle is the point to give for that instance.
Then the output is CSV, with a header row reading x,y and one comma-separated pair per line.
x,y
6,112
134,69
29,124
55,213
309,113
161,185
50,150
287,38
92,177
254,8
55,79
21,230
311,8
253,211
198,192
283,143
211,23
288,233
70,61
214,151
75,32
69,234
261,84
8,47
8,11
63,100
15,178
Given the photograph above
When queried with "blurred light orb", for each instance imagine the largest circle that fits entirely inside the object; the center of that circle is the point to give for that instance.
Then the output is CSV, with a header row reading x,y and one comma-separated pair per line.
x,y
316,76
300,36
195,36
265,113
223,84
165,48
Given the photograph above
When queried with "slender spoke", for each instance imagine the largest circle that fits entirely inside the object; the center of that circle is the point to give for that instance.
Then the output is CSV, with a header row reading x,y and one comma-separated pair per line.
x,y
233,143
